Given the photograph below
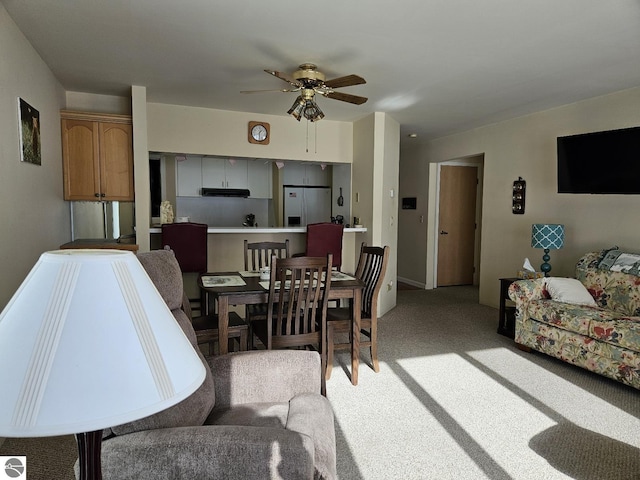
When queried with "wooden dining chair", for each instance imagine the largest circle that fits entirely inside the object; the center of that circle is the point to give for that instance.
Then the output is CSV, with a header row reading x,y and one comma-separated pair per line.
x,y
256,256
206,328
372,266
297,314
207,332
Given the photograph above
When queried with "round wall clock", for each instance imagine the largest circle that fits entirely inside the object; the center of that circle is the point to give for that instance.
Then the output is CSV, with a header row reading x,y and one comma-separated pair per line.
x,y
259,133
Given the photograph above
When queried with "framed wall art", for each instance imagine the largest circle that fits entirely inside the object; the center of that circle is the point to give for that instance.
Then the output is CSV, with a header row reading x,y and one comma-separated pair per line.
x,y
29,125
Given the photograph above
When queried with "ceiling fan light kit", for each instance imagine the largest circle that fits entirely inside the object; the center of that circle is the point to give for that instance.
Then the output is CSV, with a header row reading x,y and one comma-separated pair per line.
x,y
308,81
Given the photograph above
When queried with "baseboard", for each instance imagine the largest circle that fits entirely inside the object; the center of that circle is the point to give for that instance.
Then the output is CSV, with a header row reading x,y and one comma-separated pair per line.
x,y
413,283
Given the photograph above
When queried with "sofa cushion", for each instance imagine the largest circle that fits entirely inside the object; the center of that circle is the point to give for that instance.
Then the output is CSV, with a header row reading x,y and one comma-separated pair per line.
x,y
611,290
569,290
272,414
593,322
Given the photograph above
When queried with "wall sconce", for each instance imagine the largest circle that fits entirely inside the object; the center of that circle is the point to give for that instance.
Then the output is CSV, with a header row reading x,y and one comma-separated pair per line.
x,y
519,191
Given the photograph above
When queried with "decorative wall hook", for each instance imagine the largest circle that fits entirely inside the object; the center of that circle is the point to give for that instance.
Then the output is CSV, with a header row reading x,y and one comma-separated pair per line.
x,y
519,193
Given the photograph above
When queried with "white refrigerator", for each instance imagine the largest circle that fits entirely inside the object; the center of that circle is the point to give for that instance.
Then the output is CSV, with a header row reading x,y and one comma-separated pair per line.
x,y
305,205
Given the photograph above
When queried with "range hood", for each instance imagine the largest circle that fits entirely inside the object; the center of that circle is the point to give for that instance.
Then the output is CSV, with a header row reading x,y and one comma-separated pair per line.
x,y
225,192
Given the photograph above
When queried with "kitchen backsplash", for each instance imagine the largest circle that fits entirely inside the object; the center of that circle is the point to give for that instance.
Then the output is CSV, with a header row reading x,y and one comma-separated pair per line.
x,y
225,211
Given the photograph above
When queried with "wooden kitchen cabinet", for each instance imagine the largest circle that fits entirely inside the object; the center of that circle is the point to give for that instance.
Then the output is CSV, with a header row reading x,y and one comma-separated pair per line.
x,y
97,155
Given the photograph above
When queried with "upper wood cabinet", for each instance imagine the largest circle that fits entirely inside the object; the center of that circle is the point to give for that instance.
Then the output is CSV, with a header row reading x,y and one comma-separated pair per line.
x,y
97,156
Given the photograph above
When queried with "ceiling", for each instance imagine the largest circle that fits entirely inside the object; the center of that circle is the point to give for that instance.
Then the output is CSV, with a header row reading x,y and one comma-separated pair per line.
x,y
436,66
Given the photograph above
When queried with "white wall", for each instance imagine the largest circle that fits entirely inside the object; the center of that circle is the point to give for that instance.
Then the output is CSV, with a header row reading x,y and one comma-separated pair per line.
x,y
526,147
34,216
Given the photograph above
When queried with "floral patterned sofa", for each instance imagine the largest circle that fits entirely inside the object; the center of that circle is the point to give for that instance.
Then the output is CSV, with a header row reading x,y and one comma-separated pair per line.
x,y
603,338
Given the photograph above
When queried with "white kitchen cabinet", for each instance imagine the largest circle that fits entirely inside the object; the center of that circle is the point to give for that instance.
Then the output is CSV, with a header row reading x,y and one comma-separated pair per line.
x,y
224,173
260,178
189,173
304,174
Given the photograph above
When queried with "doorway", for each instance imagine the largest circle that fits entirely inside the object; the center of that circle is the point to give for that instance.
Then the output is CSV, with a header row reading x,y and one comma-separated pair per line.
x,y
457,222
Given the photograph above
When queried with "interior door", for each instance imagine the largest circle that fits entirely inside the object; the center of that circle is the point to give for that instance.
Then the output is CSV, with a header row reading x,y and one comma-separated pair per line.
x,y
457,224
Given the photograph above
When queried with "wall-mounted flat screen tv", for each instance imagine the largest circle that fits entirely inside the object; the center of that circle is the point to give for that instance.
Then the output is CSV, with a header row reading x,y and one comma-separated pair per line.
x,y
600,162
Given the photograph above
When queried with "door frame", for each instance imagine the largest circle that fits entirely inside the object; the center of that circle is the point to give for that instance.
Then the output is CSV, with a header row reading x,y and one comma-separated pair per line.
x,y
433,215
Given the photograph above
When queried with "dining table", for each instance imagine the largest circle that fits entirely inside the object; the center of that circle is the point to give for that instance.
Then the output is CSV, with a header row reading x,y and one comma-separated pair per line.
x,y
246,288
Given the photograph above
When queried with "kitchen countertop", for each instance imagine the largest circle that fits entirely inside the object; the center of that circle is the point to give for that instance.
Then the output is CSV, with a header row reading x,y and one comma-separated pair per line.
x,y
245,230
100,243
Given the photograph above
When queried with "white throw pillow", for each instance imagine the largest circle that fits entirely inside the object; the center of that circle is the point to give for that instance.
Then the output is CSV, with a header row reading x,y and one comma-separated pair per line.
x,y
569,290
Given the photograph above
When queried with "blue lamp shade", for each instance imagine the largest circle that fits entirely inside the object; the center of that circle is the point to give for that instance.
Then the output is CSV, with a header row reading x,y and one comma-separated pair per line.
x,y
549,236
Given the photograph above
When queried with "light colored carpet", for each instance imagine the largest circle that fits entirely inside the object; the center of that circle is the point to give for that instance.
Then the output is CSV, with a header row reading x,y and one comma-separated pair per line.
x,y
455,400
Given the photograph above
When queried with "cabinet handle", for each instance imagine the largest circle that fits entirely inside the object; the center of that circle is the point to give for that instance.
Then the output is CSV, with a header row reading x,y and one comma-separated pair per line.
x,y
103,194
442,232
97,195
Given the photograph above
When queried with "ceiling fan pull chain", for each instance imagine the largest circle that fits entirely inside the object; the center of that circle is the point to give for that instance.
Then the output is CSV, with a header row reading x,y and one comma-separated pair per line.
x,y
307,136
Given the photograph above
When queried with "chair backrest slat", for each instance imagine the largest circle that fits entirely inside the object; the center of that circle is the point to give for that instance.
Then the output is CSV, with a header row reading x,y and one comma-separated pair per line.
x,y
372,266
301,299
258,254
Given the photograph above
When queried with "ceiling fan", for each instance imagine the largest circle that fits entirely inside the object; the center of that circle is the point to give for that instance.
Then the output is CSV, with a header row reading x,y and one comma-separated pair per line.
x,y
308,81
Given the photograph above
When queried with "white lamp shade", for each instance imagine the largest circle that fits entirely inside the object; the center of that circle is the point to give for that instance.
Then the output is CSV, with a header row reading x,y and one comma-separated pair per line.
x,y
87,343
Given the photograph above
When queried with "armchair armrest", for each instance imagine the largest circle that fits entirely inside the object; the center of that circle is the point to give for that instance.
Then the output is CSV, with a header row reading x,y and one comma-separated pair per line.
x,y
264,376
212,451
523,291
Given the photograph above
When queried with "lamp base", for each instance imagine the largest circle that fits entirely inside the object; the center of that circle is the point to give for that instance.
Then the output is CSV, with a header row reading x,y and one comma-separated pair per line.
x,y
546,266
89,450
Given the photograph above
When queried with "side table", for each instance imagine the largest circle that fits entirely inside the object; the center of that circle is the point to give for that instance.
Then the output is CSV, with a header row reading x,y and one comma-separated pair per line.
x,y
507,320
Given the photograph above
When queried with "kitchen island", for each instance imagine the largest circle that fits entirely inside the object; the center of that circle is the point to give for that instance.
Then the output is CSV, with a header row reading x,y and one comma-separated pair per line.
x,y
226,244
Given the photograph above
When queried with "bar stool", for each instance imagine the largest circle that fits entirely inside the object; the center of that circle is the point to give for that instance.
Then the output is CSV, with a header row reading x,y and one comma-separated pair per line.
x,y
189,243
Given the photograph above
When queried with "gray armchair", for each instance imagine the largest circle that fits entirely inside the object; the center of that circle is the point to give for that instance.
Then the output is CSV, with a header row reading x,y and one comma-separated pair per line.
x,y
258,414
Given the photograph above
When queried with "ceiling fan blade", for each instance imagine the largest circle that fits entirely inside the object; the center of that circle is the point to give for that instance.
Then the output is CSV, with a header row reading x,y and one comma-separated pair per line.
x,y
283,90
285,77
345,81
345,97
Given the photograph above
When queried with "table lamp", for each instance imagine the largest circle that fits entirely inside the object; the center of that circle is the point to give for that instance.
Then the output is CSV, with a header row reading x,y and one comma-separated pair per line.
x,y
549,236
87,343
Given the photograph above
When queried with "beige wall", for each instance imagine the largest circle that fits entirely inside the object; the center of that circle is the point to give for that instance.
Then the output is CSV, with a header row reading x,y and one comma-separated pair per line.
x,y
412,224
91,102
374,175
526,147
34,216
386,203
181,129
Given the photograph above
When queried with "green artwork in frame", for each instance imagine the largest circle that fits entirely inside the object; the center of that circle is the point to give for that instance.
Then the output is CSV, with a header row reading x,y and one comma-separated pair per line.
x,y
30,150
